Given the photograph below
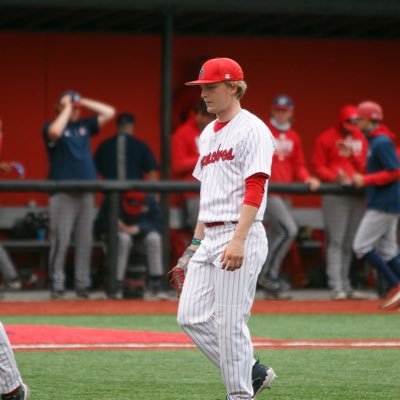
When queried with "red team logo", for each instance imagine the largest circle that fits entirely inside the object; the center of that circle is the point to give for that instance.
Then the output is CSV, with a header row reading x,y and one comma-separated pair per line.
x,y
211,158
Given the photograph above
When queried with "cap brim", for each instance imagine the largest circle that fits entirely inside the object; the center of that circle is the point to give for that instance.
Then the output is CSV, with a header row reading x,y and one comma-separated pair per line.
x,y
200,82
349,127
284,108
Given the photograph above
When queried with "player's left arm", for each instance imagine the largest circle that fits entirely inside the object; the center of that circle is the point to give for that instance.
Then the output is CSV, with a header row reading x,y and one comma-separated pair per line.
x,y
387,155
299,166
104,111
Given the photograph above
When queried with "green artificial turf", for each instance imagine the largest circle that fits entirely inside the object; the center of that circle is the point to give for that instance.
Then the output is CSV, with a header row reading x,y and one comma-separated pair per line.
x,y
268,326
186,374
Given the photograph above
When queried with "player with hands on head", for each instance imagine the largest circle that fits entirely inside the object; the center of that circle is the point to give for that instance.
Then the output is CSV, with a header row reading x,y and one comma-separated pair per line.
x,y
376,238
230,244
67,140
338,155
288,166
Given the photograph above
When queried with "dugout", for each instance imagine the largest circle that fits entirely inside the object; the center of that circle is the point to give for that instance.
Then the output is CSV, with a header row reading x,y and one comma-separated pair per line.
x,y
137,54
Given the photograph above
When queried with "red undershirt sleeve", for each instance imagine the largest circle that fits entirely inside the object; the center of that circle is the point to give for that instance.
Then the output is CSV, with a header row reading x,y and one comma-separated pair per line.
x,y
381,177
255,189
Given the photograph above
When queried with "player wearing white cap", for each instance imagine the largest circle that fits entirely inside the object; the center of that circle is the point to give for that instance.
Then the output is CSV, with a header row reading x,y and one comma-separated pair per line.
x,y
229,245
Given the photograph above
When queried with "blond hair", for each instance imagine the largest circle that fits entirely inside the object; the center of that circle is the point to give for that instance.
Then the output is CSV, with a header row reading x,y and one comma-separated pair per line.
x,y
241,87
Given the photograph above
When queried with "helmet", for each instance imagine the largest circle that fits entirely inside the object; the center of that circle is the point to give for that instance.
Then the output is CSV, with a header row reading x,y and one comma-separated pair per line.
x,y
370,110
347,118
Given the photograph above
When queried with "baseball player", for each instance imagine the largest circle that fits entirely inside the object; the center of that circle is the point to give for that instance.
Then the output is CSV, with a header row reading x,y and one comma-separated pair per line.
x,y
11,385
375,241
288,166
229,245
339,153
7,269
67,140
140,224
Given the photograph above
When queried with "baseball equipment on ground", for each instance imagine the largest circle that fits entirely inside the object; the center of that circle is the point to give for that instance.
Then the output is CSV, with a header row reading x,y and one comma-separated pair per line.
x,y
177,274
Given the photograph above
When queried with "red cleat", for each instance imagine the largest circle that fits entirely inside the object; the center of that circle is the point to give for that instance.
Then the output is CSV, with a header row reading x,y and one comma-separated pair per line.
x,y
392,299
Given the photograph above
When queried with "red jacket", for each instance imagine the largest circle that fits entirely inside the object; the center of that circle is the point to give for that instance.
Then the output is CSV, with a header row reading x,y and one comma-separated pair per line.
x,y
185,151
327,160
288,161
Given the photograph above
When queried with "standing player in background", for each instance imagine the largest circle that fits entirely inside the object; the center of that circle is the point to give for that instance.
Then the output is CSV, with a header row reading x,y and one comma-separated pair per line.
x,y
376,240
11,385
229,245
185,153
339,154
123,156
287,166
67,140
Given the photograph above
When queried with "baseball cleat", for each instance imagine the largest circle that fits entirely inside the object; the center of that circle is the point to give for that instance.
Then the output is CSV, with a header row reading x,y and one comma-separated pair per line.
x,y
22,394
262,378
392,299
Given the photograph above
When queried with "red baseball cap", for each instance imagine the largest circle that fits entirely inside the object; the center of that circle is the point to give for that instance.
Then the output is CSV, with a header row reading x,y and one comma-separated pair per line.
x,y
218,70
348,117
370,110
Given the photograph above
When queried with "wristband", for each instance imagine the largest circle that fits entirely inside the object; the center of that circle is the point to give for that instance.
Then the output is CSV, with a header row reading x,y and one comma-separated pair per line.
x,y
196,242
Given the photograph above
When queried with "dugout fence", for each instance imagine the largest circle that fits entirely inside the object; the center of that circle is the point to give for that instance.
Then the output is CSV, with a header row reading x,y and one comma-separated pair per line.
x,y
114,188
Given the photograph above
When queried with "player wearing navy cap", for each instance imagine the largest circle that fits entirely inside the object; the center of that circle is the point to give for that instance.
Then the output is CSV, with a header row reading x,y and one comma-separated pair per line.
x,y
288,166
67,140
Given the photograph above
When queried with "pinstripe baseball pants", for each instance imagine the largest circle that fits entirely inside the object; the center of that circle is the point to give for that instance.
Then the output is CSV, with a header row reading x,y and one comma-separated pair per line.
x,y
215,305
68,213
10,377
6,266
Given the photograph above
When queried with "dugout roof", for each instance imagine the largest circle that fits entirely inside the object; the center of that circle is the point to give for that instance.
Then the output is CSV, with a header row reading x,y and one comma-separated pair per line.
x,y
275,18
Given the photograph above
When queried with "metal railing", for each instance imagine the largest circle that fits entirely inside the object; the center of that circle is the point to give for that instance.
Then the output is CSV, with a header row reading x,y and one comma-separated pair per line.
x,y
113,188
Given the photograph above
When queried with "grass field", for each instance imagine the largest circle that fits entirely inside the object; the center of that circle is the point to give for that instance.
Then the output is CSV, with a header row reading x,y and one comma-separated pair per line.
x,y
324,374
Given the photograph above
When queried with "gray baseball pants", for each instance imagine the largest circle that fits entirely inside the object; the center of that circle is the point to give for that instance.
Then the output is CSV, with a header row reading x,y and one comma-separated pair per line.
x,y
153,246
377,230
281,232
7,268
342,215
10,377
71,213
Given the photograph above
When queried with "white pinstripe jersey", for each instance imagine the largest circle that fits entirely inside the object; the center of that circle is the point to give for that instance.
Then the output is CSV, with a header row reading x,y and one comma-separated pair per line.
x,y
240,149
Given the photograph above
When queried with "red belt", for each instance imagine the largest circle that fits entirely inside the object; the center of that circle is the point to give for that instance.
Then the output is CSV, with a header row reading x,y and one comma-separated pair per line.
x,y
218,223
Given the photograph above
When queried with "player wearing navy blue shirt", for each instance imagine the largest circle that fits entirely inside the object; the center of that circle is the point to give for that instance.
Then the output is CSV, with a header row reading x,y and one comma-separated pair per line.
x,y
376,237
67,140
123,156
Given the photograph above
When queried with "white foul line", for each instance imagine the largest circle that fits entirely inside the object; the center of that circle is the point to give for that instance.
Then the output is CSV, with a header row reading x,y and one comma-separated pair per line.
x,y
266,344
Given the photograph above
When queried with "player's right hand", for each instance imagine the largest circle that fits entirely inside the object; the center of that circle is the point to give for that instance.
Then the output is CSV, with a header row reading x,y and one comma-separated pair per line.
x,y
177,274
66,100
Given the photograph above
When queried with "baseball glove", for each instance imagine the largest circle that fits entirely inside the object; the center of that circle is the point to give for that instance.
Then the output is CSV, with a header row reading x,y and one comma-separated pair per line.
x,y
177,274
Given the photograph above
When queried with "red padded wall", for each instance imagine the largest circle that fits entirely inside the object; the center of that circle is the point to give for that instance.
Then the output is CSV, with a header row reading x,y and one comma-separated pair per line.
x,y
320,75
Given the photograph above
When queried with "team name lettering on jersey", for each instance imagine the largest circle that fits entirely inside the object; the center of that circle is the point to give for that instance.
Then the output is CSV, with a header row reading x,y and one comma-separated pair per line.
x,y
284,146
212,157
